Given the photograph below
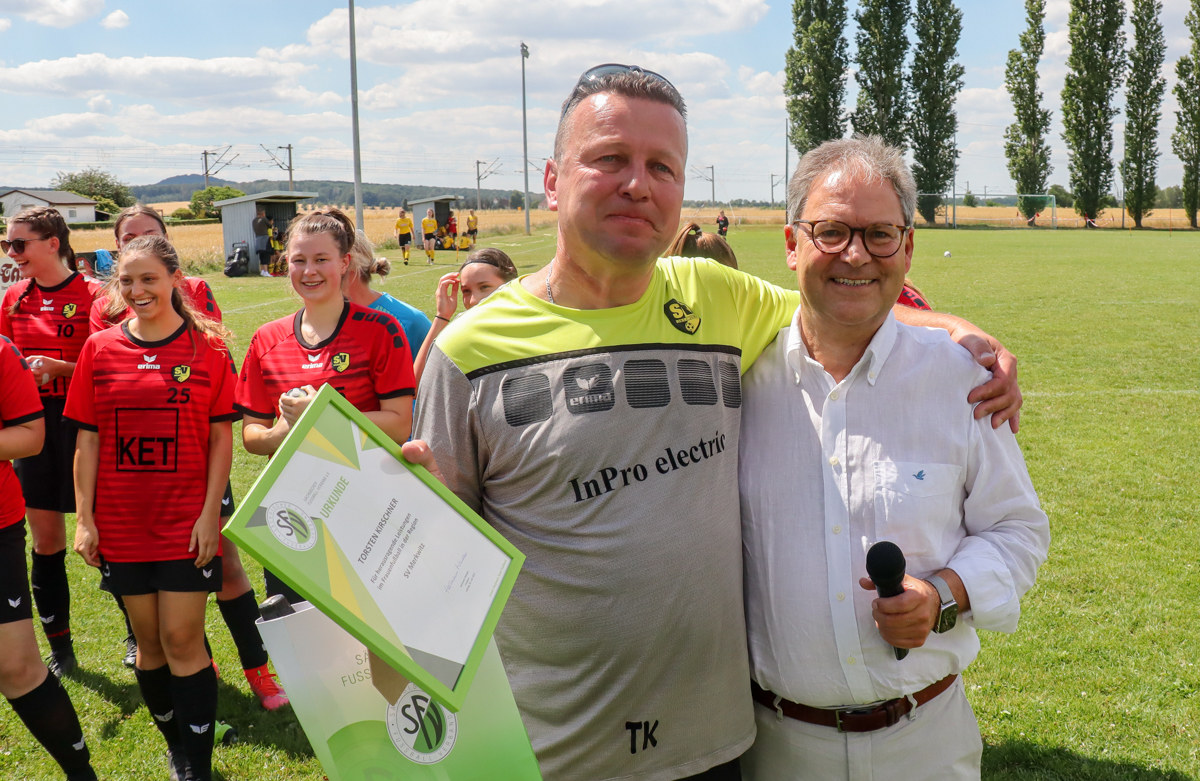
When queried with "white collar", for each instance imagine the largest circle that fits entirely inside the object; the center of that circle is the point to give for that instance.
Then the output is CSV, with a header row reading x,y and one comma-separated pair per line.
x,y
873,358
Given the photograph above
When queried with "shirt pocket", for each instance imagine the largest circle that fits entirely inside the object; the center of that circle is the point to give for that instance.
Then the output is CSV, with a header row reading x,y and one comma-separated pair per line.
x,y
917,507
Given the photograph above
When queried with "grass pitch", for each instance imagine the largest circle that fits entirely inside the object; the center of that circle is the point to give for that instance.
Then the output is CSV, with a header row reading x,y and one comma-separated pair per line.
x,y
1099,682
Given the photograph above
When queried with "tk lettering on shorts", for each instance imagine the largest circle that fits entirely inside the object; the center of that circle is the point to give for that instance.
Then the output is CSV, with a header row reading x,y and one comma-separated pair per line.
x,y
147,440
647,730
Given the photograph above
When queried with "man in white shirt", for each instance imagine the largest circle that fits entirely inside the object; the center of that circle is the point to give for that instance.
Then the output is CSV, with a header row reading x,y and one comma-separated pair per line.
x,y
856,428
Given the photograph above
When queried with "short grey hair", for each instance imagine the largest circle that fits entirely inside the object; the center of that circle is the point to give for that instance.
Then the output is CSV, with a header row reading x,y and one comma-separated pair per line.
x,y
631,84
868,158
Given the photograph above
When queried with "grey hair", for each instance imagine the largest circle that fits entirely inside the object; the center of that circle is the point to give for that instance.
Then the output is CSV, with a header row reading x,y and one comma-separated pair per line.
x,y
868,158
632,84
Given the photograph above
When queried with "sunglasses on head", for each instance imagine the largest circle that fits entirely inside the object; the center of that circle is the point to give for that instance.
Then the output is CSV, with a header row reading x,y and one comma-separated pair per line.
x,y
18,244
612,68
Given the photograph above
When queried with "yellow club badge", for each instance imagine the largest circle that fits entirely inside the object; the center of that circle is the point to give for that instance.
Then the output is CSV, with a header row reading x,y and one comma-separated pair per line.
x,y
69,310
341,362
682,317
181,373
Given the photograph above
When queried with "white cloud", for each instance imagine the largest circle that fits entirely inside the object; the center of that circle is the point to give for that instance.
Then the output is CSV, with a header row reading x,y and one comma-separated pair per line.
x,y
227,81
115,21
53,13
5,24
99,104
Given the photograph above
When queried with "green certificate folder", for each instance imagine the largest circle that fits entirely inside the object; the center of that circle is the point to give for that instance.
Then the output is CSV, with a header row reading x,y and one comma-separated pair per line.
x,y
380,546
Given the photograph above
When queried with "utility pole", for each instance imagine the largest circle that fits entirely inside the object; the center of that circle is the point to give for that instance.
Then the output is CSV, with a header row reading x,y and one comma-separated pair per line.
x,y
279,163
525,133
782,180
219,162
480,176
205,154
712,179
291,171
358,206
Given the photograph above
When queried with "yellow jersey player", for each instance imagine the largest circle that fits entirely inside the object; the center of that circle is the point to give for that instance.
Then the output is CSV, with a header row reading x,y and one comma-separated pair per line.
x,y
403,233
472,226
429,227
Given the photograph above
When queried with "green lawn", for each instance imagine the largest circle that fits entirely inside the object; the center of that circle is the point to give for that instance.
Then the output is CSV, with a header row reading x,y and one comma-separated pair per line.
x,y
1099,681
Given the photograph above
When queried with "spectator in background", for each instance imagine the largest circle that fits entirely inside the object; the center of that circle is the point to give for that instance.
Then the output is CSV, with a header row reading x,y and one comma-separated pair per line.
x,y
404,233
452,225
485,272
472,226
363,264
262,241
692,242
722,223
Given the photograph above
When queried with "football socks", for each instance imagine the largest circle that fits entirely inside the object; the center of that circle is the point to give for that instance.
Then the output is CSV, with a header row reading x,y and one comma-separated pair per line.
x,y
49,715
240,613
195,699
51,593
156,691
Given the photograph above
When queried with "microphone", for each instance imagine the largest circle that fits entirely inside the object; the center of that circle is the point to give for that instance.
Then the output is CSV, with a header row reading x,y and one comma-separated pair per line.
x,y
885,567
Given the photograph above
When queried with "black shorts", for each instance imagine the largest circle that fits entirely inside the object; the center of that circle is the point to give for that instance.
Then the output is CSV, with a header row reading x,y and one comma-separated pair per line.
x,y
47,479
14,577
227,503
405,239
430,236
472,231
133,578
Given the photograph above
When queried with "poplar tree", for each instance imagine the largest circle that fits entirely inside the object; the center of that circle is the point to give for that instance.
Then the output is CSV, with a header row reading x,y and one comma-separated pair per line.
x,y
1143,109
936,80
1025,143
1094,70
816,73
882,44
1186,139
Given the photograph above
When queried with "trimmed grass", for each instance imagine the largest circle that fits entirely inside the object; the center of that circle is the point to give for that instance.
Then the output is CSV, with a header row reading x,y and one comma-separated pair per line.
x,y
1098,682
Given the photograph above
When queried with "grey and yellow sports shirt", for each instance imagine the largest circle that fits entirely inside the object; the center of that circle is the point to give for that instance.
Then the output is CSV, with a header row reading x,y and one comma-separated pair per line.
x,y
603,444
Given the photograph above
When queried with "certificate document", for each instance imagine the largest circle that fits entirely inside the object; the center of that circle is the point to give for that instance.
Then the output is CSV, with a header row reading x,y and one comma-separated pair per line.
x,y
380,546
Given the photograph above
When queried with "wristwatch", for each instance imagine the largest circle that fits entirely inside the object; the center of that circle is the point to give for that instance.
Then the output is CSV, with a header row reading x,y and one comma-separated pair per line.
x,y
948,613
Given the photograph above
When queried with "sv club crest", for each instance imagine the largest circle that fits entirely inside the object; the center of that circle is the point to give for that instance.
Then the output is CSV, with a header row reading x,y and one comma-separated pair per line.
x,y
340,362
682,317
181,373
68,310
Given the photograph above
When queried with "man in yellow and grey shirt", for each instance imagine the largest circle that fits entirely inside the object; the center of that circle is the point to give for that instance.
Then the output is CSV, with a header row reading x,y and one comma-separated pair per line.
x,y
590,412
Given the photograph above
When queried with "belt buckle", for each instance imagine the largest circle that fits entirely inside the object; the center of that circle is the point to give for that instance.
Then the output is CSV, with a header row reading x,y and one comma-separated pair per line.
x,y
849,712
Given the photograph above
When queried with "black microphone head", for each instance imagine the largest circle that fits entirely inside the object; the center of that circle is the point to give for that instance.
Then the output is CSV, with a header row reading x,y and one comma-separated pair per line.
x,y
885,564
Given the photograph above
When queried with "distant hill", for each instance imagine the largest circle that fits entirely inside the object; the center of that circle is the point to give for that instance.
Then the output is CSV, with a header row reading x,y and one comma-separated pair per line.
x,y
180,188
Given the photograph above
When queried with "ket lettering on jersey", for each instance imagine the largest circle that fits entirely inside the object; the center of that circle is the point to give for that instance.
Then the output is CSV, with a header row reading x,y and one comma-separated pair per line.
x,y
147,439
149,362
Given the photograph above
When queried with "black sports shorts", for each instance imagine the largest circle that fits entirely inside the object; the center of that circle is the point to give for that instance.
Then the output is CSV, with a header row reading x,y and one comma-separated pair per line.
x,y
47,479
132,578
473,231
405,239
227,504
14,576
430,236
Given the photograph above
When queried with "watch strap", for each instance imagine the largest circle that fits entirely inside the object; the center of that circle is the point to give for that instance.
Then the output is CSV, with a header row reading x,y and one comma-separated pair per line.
x,y
948,607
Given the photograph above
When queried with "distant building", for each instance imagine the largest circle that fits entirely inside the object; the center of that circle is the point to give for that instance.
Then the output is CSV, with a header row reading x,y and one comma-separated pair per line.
x,y
73,208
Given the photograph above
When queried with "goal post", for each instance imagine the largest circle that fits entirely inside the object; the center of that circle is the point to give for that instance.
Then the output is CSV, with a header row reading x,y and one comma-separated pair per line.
x,y
1008,210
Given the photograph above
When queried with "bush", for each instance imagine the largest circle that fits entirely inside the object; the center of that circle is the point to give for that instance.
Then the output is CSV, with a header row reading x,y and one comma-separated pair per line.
x,y
202,200
183,213
969,200
96,184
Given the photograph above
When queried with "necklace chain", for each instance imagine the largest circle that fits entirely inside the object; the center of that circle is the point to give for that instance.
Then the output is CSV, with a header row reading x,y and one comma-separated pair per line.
x,y
549,293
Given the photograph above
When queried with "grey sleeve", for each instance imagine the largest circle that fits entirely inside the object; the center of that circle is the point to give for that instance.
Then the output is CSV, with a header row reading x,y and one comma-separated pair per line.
x,y
446,420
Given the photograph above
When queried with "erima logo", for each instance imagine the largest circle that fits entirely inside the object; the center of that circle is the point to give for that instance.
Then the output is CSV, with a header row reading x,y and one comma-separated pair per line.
x,y
314,362
149,362
69,311
107,572
340,362
15,602
45,619
224,500
47,305
920,475
589,388
181,373
165,717
681,317
79,746
199,729
206,573
587,385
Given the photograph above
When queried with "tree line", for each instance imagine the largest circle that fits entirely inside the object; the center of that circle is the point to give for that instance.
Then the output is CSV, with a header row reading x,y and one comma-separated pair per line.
x,y
910,101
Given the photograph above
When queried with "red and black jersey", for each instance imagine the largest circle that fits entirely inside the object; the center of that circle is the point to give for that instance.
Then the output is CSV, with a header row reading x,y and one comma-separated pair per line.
x,y
19,403
194,288
152,403
911,298
366,359
50,321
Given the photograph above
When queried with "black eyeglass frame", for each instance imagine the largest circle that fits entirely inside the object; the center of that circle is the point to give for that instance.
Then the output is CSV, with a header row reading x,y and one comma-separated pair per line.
x,y
607,69
7,244
850,238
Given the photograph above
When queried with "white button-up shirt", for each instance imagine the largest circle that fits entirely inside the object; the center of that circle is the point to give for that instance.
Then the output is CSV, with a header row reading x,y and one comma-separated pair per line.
x,y
892,452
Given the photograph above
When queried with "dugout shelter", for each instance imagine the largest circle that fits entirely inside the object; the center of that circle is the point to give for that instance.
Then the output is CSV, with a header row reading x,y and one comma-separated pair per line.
x,y
237,217
442,206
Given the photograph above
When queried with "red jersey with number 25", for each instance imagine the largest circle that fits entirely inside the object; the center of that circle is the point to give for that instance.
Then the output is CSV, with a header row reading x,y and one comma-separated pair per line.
x,y
194,288
50,321
19,403
366,359
151,403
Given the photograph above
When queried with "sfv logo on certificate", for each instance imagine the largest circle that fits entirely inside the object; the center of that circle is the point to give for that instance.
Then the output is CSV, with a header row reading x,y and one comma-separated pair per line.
x,y
376,546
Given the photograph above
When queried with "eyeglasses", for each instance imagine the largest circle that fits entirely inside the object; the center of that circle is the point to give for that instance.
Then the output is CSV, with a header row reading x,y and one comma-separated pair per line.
x,y
18,244
609,69
830,236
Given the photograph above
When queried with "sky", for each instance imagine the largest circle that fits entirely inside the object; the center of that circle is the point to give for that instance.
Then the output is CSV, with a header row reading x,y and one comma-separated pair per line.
x,y
141,87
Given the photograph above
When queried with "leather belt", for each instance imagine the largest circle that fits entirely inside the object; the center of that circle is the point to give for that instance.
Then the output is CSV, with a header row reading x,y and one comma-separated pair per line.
x,y
865,719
